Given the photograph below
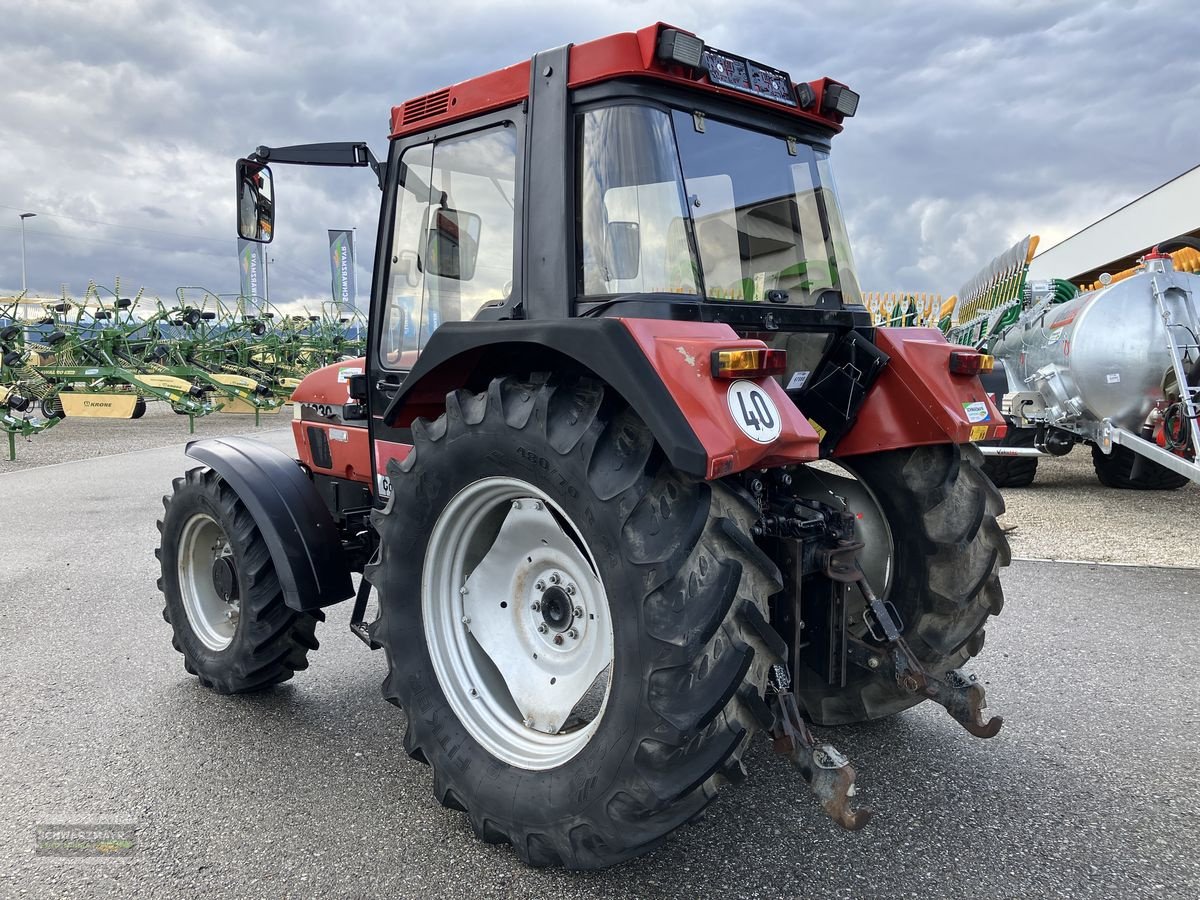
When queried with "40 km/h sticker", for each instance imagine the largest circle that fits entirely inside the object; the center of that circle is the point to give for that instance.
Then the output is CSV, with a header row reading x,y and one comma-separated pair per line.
x,y
754,412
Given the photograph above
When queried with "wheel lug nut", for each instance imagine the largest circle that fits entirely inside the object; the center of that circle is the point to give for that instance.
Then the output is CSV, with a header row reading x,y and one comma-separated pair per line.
x,y
537,505
571,589
536,606
541,585
558,639
577,612
574,634
541,629
516,504
555,578
466,620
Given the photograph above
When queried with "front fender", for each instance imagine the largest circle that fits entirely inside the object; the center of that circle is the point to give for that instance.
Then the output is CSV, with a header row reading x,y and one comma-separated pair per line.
x,y
300,533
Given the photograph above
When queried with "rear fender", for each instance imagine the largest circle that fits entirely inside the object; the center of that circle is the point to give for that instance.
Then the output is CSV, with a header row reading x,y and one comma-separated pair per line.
x,y
917,399
661,368
299,531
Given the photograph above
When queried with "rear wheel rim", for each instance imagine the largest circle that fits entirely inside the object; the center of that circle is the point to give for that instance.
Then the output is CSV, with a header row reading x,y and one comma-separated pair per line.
x,y
517,623
204,552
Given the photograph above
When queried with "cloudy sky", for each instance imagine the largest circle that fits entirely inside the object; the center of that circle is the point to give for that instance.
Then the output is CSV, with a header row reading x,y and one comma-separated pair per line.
x,y
980,121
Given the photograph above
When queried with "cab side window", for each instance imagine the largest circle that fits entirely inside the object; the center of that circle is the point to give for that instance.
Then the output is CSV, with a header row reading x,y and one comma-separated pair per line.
x,y
452,249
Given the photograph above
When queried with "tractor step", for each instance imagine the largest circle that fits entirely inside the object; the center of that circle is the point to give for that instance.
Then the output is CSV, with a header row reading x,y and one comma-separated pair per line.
x,y
359,628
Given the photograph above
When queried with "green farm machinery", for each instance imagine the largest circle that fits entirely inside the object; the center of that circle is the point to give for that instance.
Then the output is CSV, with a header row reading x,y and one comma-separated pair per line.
x,y
108,355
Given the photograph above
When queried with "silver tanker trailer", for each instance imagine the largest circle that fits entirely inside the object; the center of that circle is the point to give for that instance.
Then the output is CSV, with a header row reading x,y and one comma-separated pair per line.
x,y
1116,368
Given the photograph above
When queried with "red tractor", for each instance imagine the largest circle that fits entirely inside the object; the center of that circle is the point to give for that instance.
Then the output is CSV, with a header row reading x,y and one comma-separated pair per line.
x,y
632,474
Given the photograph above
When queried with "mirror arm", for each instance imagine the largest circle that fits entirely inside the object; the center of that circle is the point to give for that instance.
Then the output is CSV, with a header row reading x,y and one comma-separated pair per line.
x,y
340,153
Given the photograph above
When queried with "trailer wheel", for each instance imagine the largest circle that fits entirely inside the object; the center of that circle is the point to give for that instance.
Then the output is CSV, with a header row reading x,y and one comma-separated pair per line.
x,y
575,630
1129,471
52,407
1012,471
933,549
139,408
223,598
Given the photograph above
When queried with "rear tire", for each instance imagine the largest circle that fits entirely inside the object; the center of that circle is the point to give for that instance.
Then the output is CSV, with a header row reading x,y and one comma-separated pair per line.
x,y
947,549
1012,471
690,645
1128,471
139,408
211,549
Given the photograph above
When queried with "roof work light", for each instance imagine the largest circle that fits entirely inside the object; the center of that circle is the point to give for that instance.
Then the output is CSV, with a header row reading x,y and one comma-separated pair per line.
x,y
677,47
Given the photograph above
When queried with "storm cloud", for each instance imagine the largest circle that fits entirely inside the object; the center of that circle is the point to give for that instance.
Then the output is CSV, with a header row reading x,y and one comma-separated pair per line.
x,y
980,122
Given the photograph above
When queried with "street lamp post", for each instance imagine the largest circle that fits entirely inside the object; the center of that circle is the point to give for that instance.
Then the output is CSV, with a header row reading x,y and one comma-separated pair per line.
x,y
23,217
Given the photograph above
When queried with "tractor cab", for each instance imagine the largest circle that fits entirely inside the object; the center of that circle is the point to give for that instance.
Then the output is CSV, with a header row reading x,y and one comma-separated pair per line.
x,y
642,174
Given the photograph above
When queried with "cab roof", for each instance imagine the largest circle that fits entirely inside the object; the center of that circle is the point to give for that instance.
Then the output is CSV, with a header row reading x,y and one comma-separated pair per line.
x,y
630,54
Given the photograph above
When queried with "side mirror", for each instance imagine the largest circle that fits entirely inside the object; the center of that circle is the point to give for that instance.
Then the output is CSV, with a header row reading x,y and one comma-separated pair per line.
x,y
256,201
408,265
452,243
624,250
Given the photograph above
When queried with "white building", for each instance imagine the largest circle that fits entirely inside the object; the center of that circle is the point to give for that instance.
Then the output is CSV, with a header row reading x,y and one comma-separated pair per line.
x,y
1116,241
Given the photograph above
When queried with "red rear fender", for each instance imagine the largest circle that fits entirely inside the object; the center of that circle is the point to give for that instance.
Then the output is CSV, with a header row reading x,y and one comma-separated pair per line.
x,y
918,400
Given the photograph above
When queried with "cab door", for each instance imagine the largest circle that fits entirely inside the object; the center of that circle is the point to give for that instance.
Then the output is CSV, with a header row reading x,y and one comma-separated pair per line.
x,y
453,249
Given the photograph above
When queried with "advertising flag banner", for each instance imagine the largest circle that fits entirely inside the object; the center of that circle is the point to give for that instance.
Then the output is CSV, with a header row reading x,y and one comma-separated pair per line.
x,y
250,260
341,261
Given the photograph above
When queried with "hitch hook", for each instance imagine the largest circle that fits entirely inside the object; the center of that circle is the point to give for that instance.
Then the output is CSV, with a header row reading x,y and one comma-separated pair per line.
x,y
828,773
959,692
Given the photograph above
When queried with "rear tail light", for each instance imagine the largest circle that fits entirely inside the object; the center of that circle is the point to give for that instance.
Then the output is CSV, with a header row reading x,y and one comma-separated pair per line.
x,y
753,362
971,363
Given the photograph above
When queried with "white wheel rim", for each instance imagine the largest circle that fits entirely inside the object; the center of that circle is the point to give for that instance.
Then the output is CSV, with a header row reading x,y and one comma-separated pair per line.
x,y
212,615
517,623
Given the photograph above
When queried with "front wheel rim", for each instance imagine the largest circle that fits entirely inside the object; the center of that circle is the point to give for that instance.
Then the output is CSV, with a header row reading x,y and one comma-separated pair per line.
x,y
517,623
208,582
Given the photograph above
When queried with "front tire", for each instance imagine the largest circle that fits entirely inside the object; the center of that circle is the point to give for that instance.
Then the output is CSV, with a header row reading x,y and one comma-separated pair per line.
x,y
224,602
684,589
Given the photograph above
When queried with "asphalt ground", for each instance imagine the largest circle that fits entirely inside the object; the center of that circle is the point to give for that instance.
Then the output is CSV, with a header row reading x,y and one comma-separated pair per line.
x,y
1090,790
